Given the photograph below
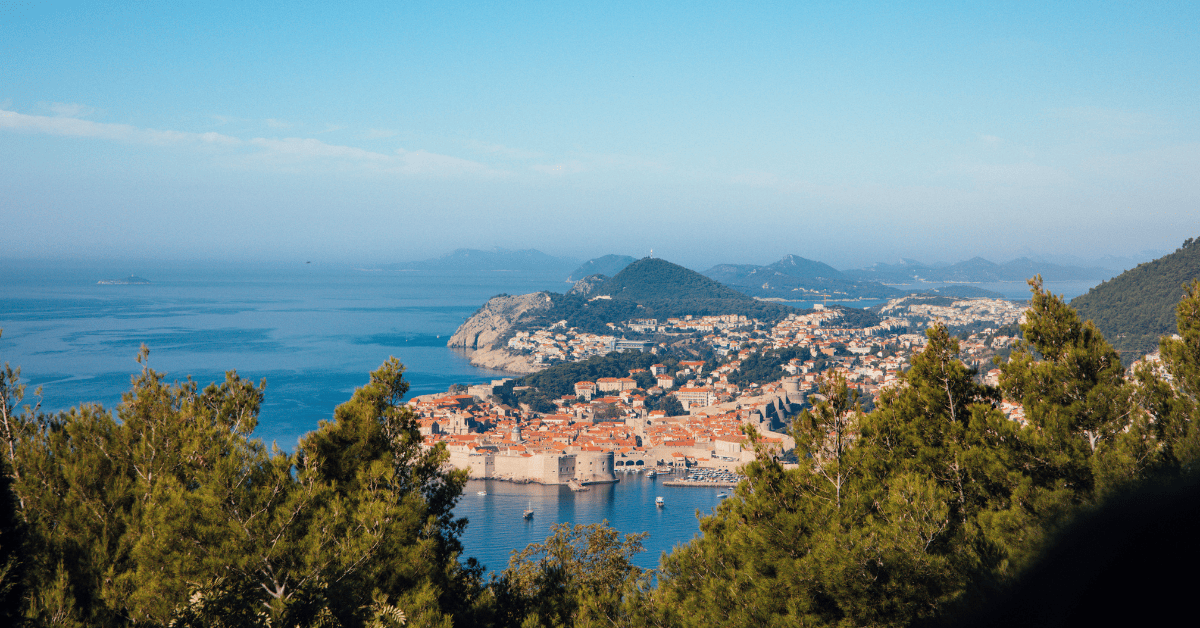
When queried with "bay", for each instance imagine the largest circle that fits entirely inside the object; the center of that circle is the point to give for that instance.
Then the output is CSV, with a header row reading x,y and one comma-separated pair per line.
x,y
496,527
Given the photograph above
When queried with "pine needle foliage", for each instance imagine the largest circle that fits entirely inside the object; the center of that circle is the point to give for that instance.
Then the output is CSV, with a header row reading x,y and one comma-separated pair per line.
x,y
171,513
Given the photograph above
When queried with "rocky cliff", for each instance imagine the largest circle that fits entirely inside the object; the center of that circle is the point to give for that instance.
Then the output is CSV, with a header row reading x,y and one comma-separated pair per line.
x,y
486,327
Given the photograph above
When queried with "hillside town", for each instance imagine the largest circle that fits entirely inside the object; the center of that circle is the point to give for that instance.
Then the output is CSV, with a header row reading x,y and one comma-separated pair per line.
x,y
607,427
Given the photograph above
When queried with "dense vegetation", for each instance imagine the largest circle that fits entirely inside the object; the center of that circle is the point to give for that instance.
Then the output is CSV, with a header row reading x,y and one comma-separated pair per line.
x,y
765,366
586,316
928,505
170,513
854,318
935,500
1136,307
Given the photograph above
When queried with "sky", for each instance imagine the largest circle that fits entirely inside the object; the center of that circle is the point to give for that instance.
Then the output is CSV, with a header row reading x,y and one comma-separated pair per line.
x,y
709,132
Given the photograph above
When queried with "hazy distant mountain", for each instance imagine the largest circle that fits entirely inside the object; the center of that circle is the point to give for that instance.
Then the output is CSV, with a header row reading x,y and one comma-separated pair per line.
x,y
608,265
497,259
1133,309
976,270
797,278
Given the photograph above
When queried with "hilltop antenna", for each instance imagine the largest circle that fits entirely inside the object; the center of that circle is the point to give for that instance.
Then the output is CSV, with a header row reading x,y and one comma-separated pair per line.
x,y
651,253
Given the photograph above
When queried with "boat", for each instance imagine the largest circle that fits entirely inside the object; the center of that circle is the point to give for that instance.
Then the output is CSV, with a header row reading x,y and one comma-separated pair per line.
x,y
481,493
528,514
651,473
721,495
658,501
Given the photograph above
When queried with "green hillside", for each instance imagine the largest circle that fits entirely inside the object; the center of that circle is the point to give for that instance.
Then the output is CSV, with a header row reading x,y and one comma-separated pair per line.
x,y
652,279
664,289
652,288
1138,306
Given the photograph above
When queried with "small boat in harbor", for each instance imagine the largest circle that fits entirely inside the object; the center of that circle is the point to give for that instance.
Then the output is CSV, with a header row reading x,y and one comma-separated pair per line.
x,y
481,493
658,501
721,495
651,473
528,514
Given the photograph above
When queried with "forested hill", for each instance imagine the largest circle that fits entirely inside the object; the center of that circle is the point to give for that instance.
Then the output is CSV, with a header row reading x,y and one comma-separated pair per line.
x,y
654,279
665,289
653,288
1138,306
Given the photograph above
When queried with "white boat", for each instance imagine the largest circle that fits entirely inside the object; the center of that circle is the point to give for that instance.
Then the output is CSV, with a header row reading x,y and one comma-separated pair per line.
x,y
528,514
721,496
651,473
481,493
658,501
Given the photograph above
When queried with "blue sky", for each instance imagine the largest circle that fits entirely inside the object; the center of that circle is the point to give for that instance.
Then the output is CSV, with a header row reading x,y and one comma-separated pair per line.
x,y
710,132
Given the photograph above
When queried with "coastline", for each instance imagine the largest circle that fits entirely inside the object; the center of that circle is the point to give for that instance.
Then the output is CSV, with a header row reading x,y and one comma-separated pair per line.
x,y
498,360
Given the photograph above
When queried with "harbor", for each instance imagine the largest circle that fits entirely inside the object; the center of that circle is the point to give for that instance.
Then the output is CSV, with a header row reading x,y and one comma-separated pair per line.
x,y
497,523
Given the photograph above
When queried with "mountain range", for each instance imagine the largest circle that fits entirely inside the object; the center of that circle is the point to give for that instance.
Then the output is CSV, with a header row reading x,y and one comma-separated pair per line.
x,y
976,270
795,278
791,278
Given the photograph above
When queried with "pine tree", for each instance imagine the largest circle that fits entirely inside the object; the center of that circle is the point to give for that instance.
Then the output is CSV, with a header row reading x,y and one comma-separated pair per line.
x,y
176,515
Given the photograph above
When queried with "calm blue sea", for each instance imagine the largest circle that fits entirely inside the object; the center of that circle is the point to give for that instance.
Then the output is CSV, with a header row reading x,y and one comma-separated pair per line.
x,y
314,331
497,527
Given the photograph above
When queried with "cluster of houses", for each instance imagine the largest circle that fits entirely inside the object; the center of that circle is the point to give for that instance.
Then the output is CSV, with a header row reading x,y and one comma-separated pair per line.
x,y
961,312
558,344
606,427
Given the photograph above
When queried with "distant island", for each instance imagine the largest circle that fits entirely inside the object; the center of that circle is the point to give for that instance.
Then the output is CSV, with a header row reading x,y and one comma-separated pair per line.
x,y
128,281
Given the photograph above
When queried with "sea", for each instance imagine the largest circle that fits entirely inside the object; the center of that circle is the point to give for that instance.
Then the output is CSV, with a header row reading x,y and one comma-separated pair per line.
x,y
313,331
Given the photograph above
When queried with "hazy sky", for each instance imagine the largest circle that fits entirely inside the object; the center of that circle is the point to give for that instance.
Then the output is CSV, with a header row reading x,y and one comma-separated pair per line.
x,y
710,132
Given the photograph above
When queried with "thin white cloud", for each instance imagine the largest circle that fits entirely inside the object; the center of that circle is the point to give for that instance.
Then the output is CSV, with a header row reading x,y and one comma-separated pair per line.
x,y
74,127
70,109
419,162
374,134
278,124
289,152
499,149
308,148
